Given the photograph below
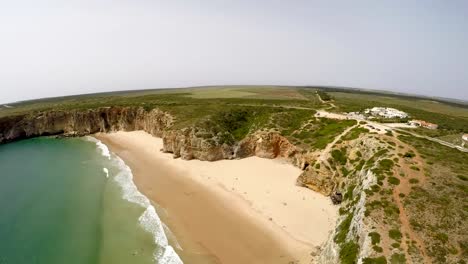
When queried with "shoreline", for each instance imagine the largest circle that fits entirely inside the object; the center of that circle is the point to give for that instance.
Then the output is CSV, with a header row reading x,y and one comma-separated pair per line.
x,y
252,212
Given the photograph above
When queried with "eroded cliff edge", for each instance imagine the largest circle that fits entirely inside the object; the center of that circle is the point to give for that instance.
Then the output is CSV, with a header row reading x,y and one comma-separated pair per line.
x,y
188,143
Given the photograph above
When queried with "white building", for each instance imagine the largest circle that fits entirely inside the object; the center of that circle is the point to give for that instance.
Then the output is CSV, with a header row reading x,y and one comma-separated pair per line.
x,y
422,123
386,112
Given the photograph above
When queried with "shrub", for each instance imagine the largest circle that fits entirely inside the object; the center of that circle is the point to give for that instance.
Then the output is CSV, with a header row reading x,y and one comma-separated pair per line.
x,y
348,252
375,238
386,164
394,181
442,237
409,155
339,156
395,234
377,249
343,229
378,260
413,181
398,258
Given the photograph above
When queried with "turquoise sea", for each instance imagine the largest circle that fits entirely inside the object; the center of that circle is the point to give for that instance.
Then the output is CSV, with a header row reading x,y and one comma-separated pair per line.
x,y
71,201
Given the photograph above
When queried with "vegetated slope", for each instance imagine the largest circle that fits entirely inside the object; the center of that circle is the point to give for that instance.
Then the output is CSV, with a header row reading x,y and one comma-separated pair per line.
x,y
404,198
438,205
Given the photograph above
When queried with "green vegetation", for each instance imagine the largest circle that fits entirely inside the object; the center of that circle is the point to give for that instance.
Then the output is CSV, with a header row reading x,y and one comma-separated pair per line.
x,y
393,180
409,155
398,258
339,155
437,207
289,121
395,234
375,238
354,133
323,131
349,252
377,249
325,96
395,245
378,260
343,229
413,181
349,193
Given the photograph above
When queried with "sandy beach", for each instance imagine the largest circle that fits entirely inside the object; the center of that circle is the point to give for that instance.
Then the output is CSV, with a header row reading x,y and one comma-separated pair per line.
x,y
229,211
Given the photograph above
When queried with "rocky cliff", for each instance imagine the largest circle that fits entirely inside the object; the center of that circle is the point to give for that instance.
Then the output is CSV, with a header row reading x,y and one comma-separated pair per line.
x,y
188,143
83,122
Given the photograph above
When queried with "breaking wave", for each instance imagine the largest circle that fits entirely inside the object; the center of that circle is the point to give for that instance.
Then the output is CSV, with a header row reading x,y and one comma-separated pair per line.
x,y
101,146
149,219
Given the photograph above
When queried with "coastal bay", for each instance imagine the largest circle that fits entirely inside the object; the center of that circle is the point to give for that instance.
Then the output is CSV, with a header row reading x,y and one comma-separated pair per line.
x,y
230,211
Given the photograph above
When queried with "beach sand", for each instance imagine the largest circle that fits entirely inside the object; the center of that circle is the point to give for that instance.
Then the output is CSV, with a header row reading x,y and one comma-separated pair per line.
x,y
228,211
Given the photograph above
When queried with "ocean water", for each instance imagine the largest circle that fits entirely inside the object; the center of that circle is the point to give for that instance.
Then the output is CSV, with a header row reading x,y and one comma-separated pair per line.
x,y
72,201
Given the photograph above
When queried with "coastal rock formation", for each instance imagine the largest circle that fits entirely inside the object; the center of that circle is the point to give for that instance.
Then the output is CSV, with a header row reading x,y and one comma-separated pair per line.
x,y
83,122
187,143
320,180
266,145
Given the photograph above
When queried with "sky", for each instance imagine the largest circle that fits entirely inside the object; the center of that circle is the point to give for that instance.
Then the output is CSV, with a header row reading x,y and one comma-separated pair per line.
x,y
55,47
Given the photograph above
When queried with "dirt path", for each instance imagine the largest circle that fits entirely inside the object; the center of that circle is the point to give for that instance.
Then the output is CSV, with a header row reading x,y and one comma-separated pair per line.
x,y
404,188
331,105
324,113
324,153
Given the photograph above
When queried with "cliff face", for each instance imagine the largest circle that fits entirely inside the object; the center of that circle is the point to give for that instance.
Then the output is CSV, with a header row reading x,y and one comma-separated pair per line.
x,y
187,143
83,122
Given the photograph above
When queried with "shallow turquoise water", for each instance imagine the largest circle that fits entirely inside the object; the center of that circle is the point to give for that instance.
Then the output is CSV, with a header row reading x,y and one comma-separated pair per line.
x,y
59,205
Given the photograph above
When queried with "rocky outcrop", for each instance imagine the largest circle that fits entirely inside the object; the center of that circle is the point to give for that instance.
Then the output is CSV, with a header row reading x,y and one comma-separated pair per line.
x,y
189,143
83,122
320,180
267,145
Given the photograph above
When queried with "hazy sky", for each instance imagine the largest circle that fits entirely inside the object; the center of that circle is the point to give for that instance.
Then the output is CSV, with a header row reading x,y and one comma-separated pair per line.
x,y
52,48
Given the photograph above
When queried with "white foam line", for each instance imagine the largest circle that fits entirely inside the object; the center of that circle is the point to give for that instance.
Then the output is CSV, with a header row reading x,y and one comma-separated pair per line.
x,y
101,146
106,171
149,220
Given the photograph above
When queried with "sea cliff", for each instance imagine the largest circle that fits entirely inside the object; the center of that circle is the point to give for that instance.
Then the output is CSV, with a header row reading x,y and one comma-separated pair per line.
x,y
187,143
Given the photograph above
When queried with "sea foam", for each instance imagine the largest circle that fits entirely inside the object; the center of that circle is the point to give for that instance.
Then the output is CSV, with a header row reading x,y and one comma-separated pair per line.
x,y
101,146
149,219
